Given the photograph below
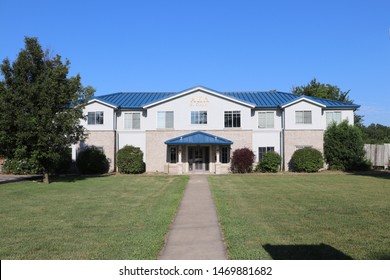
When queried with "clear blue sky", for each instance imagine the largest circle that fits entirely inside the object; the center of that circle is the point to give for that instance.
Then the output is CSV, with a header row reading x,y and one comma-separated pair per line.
x,y
224,45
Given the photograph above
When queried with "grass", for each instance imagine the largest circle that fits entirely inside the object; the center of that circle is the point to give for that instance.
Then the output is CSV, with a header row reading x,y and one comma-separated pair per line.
x,y
319,216
115,217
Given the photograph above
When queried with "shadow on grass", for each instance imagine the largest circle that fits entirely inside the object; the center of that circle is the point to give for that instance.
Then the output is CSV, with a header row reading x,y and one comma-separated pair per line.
x,y
305,252
71,178
373,173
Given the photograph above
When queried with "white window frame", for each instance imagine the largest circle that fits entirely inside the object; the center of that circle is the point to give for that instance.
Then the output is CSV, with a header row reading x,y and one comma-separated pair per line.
x,y
303,117
266,119
165,119
199,117
130,120
97,116
332,117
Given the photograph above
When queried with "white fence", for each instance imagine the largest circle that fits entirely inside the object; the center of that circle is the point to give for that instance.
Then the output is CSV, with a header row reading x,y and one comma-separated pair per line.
x,y
379,155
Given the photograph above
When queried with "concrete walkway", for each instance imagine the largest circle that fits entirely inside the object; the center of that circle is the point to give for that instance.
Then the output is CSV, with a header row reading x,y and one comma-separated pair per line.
x,y
195,232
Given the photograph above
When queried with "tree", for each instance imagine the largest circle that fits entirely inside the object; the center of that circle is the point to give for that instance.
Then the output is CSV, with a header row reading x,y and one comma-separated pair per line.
x,y
376,134
40,107
344,147
327,91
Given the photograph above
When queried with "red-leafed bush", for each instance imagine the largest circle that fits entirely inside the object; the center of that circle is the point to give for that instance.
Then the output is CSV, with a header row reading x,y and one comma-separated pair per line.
x,y
242,160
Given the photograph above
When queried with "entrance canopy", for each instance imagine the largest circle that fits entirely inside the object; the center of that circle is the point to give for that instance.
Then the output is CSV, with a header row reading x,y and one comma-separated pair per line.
x,y
198,138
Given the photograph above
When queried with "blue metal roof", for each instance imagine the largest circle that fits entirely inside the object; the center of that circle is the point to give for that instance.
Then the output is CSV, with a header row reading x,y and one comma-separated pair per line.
x,y
260,99
198,138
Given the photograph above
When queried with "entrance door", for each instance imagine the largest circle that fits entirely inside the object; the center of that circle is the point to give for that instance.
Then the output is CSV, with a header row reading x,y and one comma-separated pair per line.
x,y
198,158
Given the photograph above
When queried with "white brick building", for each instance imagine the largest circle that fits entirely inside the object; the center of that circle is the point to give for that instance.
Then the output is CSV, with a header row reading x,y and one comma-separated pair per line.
x,y
196,130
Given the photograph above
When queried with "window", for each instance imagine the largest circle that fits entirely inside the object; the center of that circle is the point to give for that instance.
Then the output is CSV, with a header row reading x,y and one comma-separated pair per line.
x,y
199,117
95,117
303,117
266,120
172,155
232,119
264,150
132,120
333,117
165,119
225,155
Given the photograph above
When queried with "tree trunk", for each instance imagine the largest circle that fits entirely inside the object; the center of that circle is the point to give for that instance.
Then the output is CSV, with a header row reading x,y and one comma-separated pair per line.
x,y
46,178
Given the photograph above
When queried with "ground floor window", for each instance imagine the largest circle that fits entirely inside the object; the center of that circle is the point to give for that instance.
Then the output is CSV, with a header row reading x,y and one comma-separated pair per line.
x,y
225,155
264,150
172,154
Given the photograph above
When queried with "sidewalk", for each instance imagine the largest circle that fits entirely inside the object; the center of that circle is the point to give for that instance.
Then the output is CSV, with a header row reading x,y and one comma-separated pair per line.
x,y
195,232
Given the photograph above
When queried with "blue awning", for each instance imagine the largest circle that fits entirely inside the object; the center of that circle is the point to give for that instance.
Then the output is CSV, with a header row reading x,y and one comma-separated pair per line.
x,y
198,138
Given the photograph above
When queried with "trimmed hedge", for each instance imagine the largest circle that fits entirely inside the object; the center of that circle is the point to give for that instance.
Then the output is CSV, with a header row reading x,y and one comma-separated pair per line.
x,y
242,160
91,160
130,160
270,163
306,160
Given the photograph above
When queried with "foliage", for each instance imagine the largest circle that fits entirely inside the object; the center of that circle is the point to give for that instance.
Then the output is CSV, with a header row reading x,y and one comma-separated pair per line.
x,y
376,134
130,160
327,91
306,160
91,160
270,163
40,107
21,166
343,146
88,218
242,160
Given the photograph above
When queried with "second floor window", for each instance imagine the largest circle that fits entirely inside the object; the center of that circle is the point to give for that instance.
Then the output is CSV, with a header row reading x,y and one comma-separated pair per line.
x,y
132,120
95,117
303,117
165,119
232,119
266,120
199,117
333,117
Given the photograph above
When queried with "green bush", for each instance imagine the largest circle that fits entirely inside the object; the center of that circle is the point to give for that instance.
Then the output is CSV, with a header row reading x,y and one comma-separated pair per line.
x,y
130,160
306,160
242,160
21,166
270,163
344,147
91,160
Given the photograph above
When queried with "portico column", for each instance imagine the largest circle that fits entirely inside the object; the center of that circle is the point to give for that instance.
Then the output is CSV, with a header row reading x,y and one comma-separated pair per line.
x,y
179,162
217,154
180,153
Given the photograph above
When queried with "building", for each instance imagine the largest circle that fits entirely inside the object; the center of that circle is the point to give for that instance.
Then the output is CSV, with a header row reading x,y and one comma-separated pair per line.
x,y
197,129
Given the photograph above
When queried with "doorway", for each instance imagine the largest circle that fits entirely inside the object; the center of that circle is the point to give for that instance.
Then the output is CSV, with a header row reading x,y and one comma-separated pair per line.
x,y
198,158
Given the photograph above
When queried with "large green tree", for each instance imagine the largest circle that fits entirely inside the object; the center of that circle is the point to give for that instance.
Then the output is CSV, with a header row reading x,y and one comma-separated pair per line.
x,y
327,91
40,107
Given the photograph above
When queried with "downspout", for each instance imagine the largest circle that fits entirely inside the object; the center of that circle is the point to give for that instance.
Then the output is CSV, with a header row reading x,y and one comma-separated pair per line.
x,y
116,138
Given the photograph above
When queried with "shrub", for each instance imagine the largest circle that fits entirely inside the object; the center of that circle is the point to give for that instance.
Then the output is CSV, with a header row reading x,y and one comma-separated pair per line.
x,y
91,160
306,160
21,166
242,160
344,147
269,163
130,160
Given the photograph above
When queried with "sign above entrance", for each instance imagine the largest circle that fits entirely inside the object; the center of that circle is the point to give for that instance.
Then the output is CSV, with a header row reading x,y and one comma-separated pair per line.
x,y
199,101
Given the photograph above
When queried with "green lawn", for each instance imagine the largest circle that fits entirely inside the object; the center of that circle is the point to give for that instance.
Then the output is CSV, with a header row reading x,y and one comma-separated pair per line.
x,y
330,216
115,217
